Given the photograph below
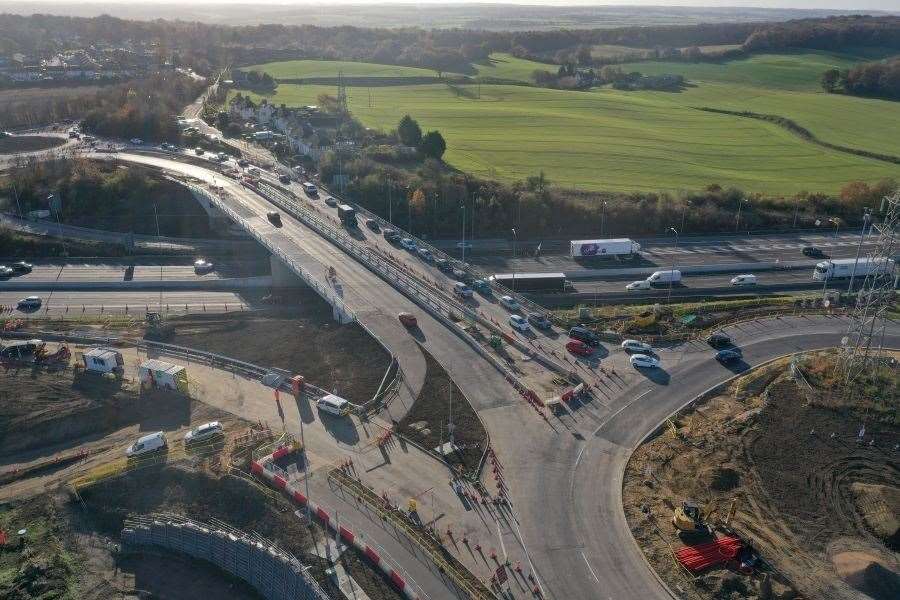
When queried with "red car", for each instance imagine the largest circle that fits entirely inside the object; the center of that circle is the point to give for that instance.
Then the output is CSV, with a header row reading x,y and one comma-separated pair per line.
x,y
579,348
407,319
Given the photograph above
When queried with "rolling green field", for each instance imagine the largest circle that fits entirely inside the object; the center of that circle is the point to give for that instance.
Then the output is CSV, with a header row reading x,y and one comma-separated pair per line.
x,y
642,141
506,66
299,69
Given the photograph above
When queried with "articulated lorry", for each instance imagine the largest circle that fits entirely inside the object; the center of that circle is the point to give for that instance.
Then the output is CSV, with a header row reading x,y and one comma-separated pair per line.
x,y
618,248
844,268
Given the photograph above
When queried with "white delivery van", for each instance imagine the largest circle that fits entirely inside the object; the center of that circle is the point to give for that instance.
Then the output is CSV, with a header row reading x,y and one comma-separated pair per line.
x,y
665,277
334,405
147,444
747,279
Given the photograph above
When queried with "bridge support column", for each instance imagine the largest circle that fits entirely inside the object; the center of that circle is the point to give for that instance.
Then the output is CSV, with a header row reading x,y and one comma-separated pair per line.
x,y
282,276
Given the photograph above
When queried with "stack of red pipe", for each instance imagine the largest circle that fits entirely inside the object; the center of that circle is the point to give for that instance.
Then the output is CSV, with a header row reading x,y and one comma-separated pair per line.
x,y
711,554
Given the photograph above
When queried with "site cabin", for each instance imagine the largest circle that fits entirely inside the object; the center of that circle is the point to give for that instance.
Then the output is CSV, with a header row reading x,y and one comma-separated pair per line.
x,y
159,374
103,361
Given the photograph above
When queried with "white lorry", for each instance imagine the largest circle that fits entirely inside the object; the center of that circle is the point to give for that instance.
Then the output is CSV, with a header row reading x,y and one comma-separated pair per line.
x,y
618,248
844,267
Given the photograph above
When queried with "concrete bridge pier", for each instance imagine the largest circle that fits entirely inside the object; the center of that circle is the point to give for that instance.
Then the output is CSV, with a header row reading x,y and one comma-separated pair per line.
x,y
284,277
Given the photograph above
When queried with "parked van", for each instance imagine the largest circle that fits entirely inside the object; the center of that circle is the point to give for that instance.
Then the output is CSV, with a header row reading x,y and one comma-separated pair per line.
x,y
152,442
334,405
748,279
665,277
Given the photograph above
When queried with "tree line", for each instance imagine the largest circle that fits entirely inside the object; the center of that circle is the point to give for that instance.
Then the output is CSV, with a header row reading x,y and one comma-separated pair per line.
x,y
881,78
428,201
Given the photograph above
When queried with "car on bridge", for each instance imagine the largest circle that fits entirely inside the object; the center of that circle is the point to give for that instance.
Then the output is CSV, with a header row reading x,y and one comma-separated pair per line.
x,y
539,321
719,340
203,266
372,224
443,265
390,235
425,254
519,323
408,319
510,303
331,201
644,361
637,346
579,348
461,290
274,218
408,244
285,179
583,334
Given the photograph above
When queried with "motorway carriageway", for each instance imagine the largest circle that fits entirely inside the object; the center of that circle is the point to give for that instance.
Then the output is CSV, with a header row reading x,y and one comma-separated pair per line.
x,y
137,303
103,273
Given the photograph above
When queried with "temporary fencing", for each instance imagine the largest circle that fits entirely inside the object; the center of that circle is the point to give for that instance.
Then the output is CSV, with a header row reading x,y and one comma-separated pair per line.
x,y
272,571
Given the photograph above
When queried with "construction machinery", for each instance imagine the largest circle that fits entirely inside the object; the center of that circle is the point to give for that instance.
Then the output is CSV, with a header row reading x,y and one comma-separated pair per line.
x,y
690,520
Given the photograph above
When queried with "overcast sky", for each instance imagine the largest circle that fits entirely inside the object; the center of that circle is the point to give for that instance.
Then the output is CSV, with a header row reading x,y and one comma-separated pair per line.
x,y
891,5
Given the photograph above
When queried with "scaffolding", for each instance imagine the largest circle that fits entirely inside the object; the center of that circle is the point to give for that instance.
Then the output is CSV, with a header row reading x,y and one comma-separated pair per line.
x,y
862,348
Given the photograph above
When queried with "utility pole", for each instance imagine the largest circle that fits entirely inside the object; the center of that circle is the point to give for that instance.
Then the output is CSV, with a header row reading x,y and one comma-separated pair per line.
x,y
737,221
867,216
674,258
602,217
464,230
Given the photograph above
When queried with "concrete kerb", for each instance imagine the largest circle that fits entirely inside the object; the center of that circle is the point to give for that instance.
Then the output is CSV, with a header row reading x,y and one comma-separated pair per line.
x,y
661,424
261,469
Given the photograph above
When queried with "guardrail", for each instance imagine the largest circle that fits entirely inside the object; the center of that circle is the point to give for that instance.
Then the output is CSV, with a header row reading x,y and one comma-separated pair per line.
x,y
341,312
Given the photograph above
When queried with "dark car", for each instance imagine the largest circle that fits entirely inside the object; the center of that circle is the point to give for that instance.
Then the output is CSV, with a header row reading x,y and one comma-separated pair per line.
x,y
372,224
729,355
540,321
243,162
718,340
443,264
813,252
584,335
285,179
274,218
21,267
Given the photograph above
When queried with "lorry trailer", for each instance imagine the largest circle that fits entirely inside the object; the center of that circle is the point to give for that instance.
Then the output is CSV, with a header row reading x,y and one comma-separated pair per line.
x,y
617,248
545,282
347,215
851,267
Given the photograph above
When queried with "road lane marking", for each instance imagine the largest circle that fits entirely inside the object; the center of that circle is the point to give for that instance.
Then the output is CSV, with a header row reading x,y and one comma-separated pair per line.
x,y
615,414
590,568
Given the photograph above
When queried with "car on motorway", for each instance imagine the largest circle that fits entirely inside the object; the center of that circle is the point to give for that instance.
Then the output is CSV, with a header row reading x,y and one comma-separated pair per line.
x,y
461,290
641,284
425,254
644,361
637,346
408,244
21,267
462,275
583,334
137,141
579,348
204,432
372,224
30,302
274,218
408,319
202,266
747,279
813,252
510,303
331,201
539,321
390,235
152,442
243,163
719,340
129,273
482,287
6,271
729,355
199,151
519,323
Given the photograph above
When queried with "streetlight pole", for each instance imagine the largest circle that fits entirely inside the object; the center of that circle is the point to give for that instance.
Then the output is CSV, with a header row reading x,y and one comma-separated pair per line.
x,y
674,258
464,231
602,217
867,217
737,221
515,243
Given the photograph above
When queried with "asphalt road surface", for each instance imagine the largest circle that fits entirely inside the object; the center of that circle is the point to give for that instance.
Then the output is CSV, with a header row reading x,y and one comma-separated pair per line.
x,y
55,304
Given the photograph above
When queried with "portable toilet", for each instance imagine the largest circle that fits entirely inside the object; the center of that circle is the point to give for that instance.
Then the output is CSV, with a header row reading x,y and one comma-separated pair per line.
x,y
160,374
103,360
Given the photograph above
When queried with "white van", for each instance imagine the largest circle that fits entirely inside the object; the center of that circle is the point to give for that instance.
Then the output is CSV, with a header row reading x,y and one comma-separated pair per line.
x,y
660,277
147,444
747,279
334,405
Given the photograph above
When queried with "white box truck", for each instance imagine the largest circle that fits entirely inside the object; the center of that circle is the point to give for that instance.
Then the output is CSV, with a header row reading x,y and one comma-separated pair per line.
x,y
619,248
844,267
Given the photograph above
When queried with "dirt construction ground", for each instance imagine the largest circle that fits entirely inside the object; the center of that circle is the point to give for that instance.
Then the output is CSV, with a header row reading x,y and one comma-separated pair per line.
x,y
817,498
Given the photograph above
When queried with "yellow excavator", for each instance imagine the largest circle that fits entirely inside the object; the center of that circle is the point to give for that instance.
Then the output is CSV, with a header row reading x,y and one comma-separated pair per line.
x,y
689,519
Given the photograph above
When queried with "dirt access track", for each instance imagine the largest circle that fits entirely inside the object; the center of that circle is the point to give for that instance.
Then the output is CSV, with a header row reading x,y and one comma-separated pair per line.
x,y
818,502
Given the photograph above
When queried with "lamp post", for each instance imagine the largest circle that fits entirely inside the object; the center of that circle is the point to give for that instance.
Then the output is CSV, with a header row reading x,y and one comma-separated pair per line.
x,y
674,258
602,217
836,222
464,231
737,221
515,243
867,218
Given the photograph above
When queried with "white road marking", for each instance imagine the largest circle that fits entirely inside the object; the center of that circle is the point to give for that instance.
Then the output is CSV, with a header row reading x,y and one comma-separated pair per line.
x,y
615,414
502,545
590,568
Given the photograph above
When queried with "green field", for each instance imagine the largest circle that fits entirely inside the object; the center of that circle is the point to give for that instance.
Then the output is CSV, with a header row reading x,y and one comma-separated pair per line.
x,y
640,141
506,66
299,69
